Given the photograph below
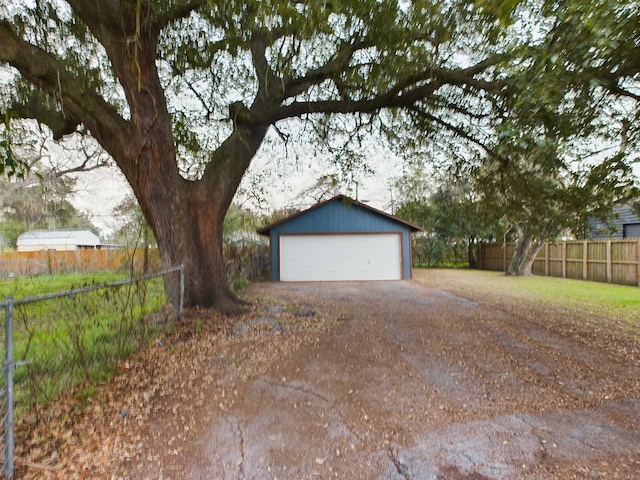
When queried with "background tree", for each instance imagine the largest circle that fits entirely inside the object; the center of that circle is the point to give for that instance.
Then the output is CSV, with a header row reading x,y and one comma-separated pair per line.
x,y
36,195
567,135
538,197
566,145
445,204
134,231
38,203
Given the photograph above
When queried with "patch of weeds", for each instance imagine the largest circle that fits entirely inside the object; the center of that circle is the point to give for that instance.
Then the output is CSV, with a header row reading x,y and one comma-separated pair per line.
x,y
199,326
235,361
85,395
238,285
292,309
78,340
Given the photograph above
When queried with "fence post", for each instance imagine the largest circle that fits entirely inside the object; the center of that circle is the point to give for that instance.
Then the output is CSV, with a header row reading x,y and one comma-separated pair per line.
x,y
8,370
609,270
585,260
547,260
181,310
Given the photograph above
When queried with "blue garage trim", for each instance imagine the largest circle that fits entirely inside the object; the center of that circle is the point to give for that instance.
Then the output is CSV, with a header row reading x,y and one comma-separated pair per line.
x,y
340,215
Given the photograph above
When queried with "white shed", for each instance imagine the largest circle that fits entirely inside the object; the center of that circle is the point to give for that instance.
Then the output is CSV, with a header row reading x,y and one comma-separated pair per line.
x,y
57,240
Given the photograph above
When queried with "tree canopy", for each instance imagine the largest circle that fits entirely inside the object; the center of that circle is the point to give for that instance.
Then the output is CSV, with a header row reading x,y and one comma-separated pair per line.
x,y
182,93
565,139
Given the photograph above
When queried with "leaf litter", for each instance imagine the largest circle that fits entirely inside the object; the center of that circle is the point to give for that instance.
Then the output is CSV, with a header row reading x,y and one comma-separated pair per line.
x,y
149,412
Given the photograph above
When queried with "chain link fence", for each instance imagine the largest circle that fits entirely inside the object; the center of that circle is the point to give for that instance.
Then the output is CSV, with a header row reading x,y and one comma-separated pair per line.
x,y
57,341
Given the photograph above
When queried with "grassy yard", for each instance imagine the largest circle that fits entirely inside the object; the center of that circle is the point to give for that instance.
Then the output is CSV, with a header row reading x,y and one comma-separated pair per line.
x,y
79,338
29,286
617,302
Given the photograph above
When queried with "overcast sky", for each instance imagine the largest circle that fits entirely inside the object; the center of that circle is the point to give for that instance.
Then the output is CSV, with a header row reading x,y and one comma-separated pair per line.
x,y
99,192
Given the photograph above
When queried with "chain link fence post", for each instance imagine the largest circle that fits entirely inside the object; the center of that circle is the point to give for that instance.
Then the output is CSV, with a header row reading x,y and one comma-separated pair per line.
x,y
8,370
181,310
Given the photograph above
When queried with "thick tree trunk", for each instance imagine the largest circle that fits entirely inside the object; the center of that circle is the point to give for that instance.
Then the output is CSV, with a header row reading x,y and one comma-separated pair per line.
x,y
187,219
145,252
526,250
185,216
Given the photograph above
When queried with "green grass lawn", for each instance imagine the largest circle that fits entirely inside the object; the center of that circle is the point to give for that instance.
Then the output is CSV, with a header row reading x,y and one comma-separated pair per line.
x,y
30,286
78,338
618,302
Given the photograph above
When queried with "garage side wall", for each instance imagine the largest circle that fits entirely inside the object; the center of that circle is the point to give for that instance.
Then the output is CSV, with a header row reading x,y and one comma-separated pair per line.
x,y
339,217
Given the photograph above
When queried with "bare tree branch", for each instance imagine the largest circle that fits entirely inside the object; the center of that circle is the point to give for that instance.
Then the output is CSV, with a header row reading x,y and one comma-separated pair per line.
x,y
450,127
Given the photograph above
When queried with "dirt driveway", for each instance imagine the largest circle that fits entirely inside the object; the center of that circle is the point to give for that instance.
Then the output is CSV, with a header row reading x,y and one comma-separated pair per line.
x,y
416,382
444,377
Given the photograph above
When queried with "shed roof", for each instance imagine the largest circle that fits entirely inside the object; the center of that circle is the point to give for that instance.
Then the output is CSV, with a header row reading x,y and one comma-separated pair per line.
x,y
415,228
58,237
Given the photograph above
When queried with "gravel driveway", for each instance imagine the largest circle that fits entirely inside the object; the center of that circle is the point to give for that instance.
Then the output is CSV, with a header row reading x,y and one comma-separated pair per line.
x,y
415,382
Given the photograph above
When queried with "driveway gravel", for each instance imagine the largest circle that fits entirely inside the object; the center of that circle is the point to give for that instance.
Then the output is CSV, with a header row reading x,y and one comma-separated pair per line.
x,y
428,379
417,382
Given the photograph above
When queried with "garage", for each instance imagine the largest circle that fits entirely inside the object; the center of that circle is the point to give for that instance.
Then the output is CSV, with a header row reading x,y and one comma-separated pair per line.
x,y
340,240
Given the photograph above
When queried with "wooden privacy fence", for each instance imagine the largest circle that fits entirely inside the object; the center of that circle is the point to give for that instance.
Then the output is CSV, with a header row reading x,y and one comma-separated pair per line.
x,y
242,261
612,261
88,260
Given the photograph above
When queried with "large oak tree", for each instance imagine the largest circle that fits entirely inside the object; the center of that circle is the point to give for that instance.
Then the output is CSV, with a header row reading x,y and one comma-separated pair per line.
x,y
181,93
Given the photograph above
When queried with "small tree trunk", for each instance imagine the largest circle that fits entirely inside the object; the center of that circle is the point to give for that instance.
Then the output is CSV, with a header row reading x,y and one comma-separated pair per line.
x,y
522,261
145,252
472,253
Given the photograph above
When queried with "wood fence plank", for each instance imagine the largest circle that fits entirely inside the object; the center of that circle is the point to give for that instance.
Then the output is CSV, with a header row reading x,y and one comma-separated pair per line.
x,y
612,261
585,260
608,261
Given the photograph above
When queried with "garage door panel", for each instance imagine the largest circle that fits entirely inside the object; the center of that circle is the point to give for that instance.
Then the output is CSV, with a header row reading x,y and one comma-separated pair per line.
x,y
340,257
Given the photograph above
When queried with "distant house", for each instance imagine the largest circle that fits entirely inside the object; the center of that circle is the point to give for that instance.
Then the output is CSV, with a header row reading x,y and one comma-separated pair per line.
x,y
57,240
625,224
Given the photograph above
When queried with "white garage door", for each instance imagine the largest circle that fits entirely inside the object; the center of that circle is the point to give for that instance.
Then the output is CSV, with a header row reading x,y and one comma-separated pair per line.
x,y
340,257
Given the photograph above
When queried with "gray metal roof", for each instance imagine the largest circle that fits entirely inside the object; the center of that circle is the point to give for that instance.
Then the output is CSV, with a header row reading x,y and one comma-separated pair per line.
x,y
58,237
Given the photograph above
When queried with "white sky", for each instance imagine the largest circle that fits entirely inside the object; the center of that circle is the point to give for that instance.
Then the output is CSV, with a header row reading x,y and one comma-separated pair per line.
x,y
99,192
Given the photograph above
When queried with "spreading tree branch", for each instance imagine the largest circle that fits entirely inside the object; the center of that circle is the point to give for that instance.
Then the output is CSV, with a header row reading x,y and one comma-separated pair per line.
x,y
180,10
404,94
77,104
